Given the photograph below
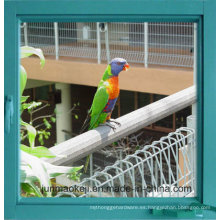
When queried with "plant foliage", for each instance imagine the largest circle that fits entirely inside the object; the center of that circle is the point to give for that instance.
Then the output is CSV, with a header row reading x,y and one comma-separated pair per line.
x,y
34,172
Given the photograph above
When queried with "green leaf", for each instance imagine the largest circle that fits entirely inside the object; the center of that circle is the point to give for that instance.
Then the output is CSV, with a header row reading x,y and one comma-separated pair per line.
x,y
23,123
47,124
38,151
53,119
115,144
33,169
75,175
76,116
23,79
31,105
59,170
137,147
40,139
24,98
29,51
31,134
43,134
31,189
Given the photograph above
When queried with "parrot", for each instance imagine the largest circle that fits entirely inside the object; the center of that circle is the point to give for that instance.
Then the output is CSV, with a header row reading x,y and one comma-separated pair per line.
x,y
105,97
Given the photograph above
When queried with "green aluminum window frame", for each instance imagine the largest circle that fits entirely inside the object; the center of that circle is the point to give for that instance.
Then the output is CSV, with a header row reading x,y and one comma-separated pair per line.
x,y
200,11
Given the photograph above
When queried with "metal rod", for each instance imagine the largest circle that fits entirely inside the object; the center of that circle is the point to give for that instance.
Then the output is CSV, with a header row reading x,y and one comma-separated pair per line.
x,y
146,44
107,44
25,34
191,123
93,140
195,64
91,166
98,43
56,36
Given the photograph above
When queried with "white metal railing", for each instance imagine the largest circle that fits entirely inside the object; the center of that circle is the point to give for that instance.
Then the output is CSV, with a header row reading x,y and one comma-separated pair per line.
x,y
93,140
169,162
169,44
163,169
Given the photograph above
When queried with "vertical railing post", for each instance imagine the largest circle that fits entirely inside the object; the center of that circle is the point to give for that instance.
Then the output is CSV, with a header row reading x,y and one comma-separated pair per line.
x,y
107,44
91,168
56,36
25,34
98,43
146,44
192,148
187,154
194,64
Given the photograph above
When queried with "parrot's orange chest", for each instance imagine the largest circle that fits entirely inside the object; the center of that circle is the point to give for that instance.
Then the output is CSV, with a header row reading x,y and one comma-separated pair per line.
x,y
113,87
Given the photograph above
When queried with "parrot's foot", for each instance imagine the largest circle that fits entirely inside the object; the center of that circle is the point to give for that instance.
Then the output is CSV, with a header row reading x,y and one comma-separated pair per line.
x,y
114,121
109,125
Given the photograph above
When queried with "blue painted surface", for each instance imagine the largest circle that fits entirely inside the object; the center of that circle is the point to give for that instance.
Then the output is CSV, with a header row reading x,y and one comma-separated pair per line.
x,y
99,10
209,104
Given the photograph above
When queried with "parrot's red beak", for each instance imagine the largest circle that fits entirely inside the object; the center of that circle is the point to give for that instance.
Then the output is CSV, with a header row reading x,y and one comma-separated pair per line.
x,y
126,67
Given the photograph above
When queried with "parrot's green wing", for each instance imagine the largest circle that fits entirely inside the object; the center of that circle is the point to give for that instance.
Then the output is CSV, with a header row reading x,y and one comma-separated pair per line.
x,y
99,102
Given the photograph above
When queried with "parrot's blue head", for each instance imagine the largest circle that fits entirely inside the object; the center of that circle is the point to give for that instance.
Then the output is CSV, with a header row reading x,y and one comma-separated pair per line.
x,y
118,65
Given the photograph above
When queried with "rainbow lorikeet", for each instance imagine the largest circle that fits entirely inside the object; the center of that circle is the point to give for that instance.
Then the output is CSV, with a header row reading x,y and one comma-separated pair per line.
x,y
106,95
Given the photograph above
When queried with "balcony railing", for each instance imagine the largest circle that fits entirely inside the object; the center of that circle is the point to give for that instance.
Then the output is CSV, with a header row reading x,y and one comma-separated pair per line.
x,y
164,168
166,44
93,140
148,166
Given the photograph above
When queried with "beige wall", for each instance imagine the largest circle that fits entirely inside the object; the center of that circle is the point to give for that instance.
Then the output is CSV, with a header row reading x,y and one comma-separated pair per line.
x,y
117,38
150,80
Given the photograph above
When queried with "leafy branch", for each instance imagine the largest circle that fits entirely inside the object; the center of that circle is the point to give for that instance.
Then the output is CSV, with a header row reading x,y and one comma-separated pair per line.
x,y
34,172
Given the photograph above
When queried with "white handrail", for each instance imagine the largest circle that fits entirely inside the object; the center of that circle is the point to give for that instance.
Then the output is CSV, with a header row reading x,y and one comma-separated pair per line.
x,y
93,140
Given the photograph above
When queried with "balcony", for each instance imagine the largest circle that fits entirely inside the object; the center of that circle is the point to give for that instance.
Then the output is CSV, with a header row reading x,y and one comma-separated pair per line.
x,y
168,162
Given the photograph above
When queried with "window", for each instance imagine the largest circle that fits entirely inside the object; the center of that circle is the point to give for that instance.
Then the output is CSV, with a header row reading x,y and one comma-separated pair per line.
x,y
25,12
78,106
